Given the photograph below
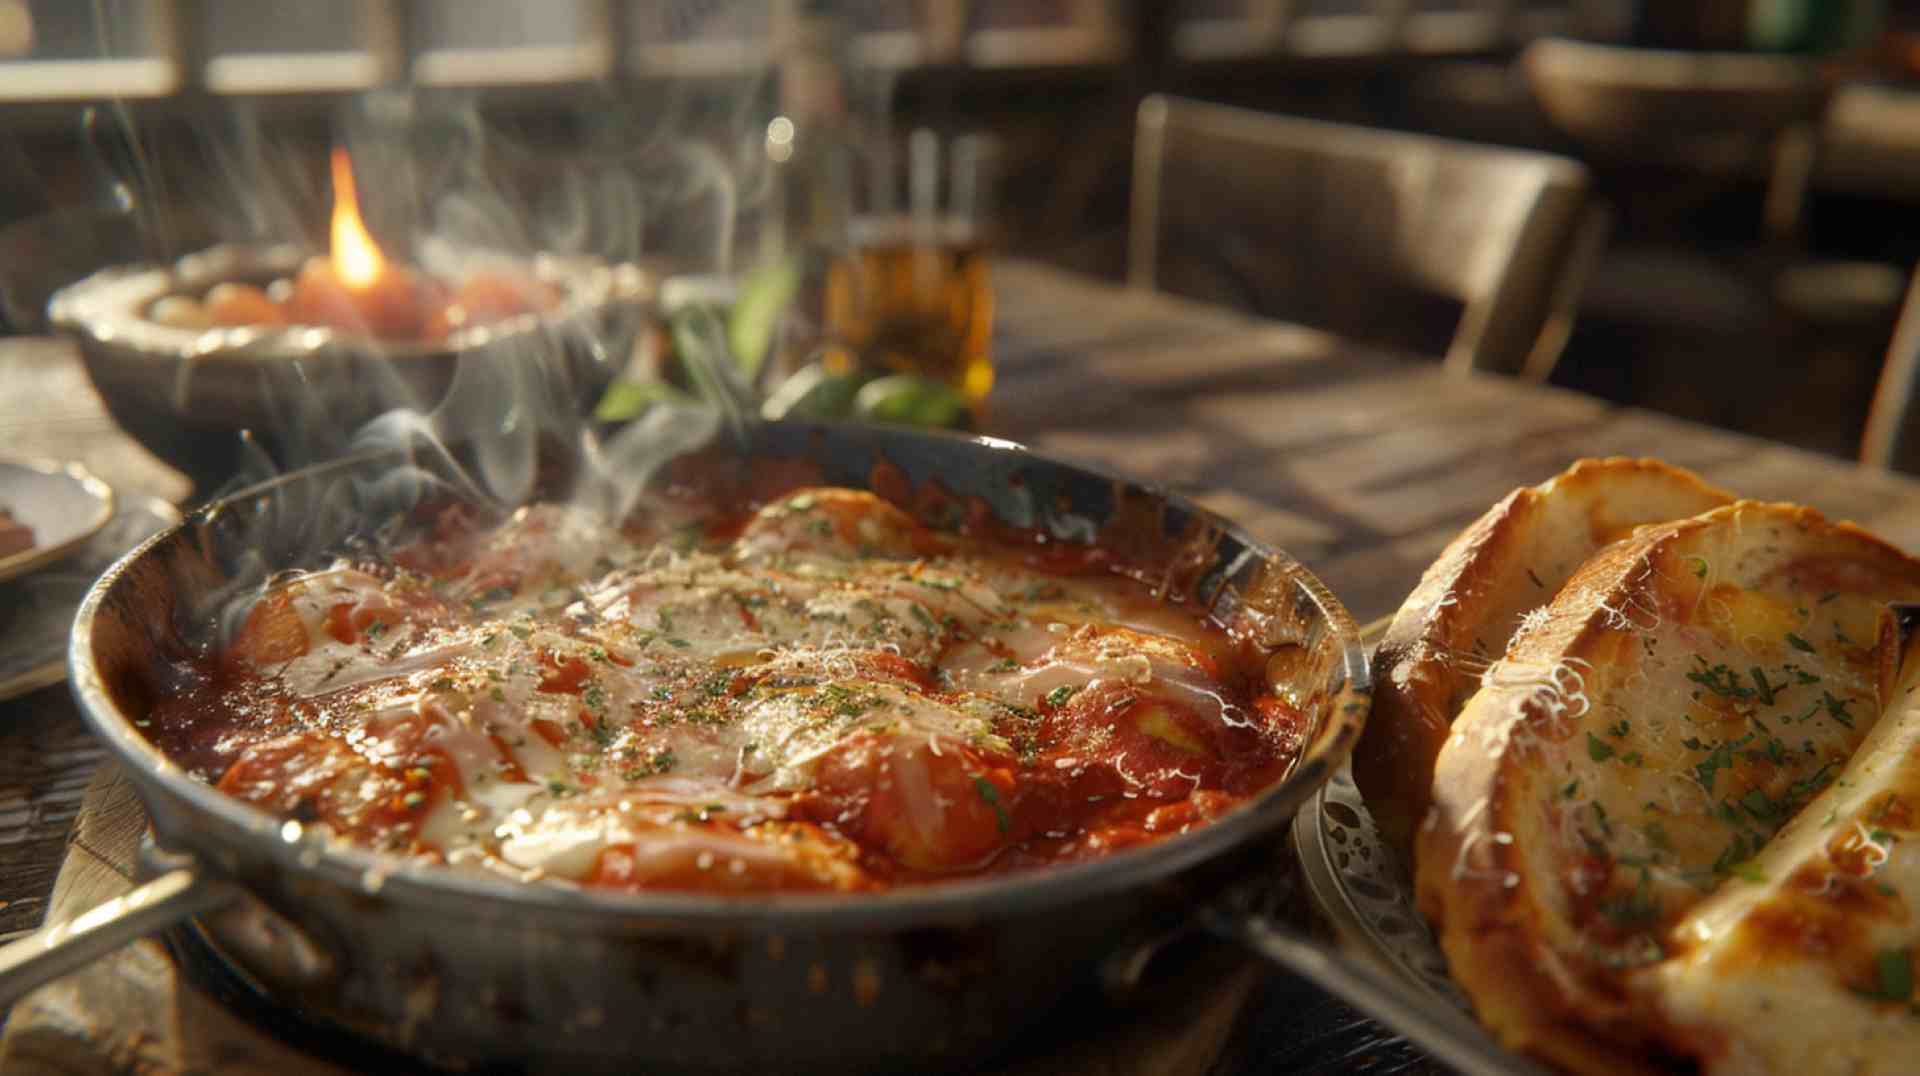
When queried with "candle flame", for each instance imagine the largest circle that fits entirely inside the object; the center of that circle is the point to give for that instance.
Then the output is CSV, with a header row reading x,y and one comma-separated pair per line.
x,y
356,257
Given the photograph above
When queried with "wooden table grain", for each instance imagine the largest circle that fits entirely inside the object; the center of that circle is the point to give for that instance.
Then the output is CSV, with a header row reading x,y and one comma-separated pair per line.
x,y
1361,463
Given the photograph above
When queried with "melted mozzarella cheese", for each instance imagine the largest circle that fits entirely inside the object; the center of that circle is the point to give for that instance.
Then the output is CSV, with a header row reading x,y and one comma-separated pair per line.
x,y
605,710
1803,963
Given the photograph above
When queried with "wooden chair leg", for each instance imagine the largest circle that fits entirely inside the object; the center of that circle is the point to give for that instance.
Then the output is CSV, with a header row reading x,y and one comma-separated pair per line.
x,y
1893,395
1582,255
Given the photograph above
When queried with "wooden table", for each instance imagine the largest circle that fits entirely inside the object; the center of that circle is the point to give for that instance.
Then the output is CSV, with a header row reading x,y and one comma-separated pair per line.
x,y
1360,463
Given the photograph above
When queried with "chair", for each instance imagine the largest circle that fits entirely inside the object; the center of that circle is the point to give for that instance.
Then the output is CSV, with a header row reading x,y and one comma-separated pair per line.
x,y
1717,115
1358,230
1887,442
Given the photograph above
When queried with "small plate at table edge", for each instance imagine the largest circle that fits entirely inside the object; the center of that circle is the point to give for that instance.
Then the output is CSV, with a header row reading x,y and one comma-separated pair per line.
x,y
54,672
28,559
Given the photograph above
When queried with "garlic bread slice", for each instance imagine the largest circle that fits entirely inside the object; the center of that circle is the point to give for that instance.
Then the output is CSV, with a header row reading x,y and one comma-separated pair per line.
x,y
1645,735
1462,615
1804,961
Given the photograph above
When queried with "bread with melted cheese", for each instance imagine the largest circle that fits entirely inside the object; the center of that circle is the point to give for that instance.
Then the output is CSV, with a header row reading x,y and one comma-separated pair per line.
x,y
1804,962
1643,738
1511,560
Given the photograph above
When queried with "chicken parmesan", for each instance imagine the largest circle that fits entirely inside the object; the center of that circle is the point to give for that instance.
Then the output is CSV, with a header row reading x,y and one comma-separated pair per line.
x,y
817,693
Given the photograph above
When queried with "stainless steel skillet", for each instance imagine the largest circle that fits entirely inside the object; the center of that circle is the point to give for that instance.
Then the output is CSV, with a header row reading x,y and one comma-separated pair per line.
x,y
478,971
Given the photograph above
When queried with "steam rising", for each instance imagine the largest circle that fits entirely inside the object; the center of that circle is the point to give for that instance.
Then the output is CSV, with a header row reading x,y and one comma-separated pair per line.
x,y
668,182
679,180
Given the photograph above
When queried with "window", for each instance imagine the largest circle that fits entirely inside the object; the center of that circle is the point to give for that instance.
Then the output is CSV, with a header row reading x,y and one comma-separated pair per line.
x,y
59,49
499,42
314,45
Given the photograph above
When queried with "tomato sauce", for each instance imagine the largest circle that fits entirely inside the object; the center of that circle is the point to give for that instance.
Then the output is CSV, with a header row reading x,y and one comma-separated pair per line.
x,y
821,693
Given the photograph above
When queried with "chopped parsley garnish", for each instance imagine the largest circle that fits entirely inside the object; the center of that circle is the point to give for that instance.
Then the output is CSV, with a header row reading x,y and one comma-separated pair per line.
x,y
1761,806
1893,976
1775,752
1760,684
1806,787
661,761
1598,749
1836,708
1720,680
846,703
1636,908
991,797
1059,695
1737,852
1799,644
1718,759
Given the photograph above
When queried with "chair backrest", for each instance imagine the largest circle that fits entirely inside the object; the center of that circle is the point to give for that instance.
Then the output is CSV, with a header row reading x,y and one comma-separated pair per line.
x,y
1360,230
1887,441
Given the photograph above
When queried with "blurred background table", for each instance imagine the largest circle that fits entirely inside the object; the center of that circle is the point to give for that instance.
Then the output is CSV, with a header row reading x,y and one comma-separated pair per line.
x,y
1360,462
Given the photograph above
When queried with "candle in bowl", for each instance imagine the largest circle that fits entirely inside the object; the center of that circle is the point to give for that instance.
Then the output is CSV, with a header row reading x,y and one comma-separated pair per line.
x,y
184,384
355,288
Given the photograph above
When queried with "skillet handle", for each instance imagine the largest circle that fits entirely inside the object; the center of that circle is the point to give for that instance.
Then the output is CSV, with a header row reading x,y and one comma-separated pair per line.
x,y
1430,1023
61,948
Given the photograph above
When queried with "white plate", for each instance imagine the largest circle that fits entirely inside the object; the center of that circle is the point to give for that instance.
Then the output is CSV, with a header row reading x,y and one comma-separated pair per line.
x,y
63,503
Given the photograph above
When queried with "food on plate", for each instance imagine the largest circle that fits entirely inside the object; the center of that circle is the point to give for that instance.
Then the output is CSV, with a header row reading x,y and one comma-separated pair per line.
x,y
816,693
1462,615
1648,732
15,536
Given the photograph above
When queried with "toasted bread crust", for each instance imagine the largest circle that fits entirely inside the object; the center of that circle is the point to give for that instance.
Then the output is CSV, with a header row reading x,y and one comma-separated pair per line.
x,y
1463,613
1499,864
